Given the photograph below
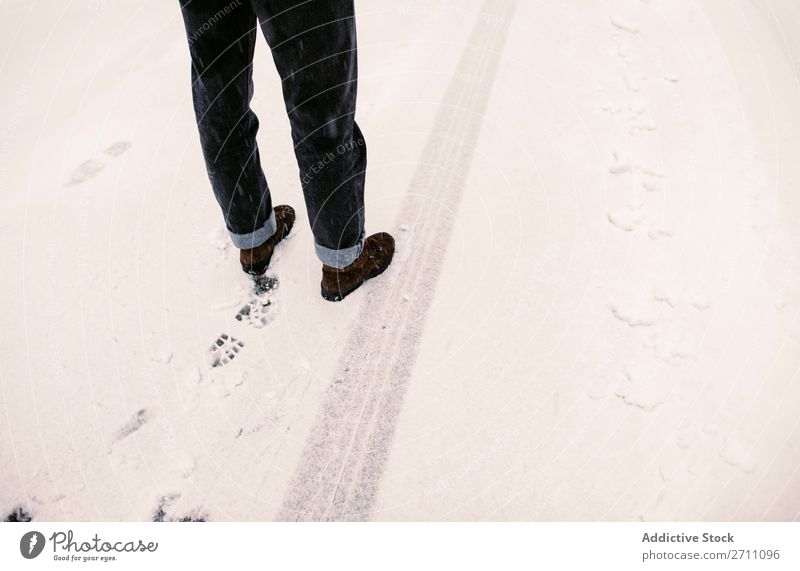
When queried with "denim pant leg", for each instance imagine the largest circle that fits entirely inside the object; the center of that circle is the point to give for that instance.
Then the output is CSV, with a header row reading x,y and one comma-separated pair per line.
x,y
222,36
313,44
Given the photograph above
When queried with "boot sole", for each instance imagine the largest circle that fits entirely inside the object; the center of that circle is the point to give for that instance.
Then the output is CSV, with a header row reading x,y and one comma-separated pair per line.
x,y
341,294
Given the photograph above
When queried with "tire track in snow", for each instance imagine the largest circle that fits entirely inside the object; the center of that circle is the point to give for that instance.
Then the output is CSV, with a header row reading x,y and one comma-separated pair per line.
x,y
345,454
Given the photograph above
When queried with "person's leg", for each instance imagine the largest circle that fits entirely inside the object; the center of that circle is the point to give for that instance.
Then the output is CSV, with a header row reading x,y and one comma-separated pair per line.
x,y
222,36
313,43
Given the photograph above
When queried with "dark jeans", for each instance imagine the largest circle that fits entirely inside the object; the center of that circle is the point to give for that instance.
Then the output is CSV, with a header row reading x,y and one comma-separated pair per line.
x,y
313,44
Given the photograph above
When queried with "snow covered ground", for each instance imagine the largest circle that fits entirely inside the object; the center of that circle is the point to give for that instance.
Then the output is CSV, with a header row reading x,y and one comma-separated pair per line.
x,y
593,314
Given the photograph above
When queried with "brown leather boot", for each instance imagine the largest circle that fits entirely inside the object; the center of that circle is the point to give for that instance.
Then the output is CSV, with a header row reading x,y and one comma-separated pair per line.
x,y
256,260
374,259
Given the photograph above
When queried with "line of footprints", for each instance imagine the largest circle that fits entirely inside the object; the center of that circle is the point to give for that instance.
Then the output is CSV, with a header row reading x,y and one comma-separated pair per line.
x,y
256,312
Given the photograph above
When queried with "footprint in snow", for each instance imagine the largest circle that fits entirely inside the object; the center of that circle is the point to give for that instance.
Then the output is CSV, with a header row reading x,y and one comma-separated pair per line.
x,y
117,148
256,312
164,509
134,423
625,25
259,310
18,514
224,350
89,169
625,219
264,284
85,171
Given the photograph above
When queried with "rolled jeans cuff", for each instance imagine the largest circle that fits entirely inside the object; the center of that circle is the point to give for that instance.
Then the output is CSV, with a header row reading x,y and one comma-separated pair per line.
x,y
339,258
255,239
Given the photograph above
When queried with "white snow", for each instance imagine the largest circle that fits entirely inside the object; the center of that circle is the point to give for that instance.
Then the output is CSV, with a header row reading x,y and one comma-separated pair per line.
x,y
595,316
